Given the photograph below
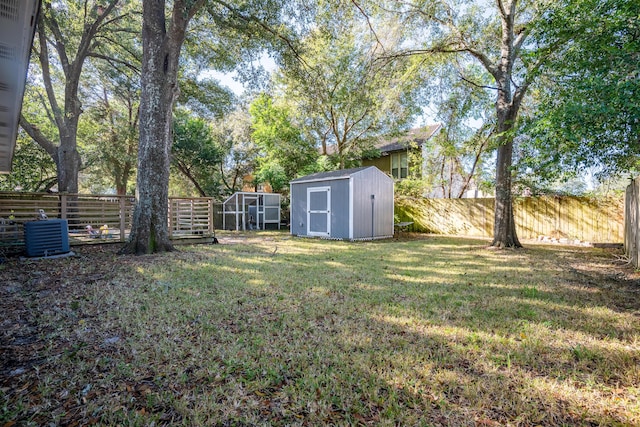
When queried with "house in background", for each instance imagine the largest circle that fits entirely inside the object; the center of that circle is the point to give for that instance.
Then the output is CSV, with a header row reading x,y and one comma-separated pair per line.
x,y
249,185
395,155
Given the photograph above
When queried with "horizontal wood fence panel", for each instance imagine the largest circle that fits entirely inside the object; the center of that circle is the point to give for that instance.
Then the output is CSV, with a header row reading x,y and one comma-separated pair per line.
x,y
186,216
190,217
586,219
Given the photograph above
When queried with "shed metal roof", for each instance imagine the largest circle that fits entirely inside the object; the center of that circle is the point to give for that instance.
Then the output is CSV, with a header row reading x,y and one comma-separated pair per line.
x,y
331,175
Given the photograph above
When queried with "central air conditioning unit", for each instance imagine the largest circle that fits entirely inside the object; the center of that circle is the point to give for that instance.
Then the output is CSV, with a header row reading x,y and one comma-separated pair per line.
x,y
46,238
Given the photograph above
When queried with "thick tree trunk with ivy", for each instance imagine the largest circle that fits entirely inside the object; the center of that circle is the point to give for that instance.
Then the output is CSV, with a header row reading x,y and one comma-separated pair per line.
x,y
161,52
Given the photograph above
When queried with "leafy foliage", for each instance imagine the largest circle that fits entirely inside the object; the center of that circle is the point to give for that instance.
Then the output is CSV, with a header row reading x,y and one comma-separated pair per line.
x,y
233,135
69,33
284,150
344,95
215,157
205,97
457,158
111,145
588,112
498,40
33,169
194,152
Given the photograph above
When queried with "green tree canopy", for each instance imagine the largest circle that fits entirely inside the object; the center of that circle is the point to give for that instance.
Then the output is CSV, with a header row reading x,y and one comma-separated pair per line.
x,y
285,153
111,140
69,33
194,152
499,39
588,109
33,169
342,94
458,158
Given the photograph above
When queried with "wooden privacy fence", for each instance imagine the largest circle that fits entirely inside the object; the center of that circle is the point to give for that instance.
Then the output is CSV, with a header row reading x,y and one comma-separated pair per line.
x,y
187,216
576,218
631,218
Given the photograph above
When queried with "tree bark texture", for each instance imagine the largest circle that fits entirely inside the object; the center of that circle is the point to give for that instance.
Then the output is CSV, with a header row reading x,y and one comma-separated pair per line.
x,y
504,226
159,90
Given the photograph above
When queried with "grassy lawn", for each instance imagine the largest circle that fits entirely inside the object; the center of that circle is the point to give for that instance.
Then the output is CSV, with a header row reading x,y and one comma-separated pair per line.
x,y
274,330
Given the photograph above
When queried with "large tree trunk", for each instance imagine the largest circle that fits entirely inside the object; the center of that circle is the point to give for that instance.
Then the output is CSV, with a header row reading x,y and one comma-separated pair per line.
x,y
507,108
504,225
161,51
68,159
150,232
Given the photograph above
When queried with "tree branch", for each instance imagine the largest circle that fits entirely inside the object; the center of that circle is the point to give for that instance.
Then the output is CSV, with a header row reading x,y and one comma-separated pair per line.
x,y
463,78
39,137
253,19
46,107
46,75
501,9
112,60
373,31
59,44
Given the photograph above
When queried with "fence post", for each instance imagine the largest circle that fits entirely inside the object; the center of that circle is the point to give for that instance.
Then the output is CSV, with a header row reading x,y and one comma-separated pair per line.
x,y
211,224
170,219
63,206
121,200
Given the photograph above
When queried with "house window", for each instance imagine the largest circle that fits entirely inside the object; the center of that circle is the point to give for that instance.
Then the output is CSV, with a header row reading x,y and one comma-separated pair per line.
x,y
399,165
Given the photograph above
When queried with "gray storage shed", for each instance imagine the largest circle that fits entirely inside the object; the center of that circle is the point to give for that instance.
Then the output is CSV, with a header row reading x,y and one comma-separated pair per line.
x,y
349,204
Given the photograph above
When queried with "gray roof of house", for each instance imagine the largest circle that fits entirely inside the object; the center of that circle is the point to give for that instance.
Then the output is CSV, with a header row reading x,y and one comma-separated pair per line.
x,y
419,136
330,175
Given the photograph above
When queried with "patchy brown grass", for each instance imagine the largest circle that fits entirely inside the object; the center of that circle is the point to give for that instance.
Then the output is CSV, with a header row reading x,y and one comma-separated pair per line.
x,y
274,330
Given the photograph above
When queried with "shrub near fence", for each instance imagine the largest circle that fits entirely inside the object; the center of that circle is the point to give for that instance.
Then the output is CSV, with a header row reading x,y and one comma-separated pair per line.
x,y
578,218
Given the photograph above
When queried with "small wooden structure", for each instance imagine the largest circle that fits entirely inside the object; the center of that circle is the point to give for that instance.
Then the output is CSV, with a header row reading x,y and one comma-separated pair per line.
x,y
99,218
251,211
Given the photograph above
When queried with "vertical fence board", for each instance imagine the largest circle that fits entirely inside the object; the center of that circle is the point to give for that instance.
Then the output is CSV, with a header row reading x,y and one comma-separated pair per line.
x,y
587,219
631,219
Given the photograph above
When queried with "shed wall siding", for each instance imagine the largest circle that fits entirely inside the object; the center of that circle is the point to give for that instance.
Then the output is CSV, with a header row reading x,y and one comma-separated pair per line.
x,y
298,208
377,220
339,207
353,216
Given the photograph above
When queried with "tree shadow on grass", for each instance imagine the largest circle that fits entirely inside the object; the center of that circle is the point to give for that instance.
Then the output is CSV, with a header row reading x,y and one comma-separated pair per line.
x,y
319,333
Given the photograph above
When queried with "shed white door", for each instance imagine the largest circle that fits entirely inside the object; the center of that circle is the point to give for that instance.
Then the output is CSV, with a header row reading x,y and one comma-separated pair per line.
x,y
319,211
